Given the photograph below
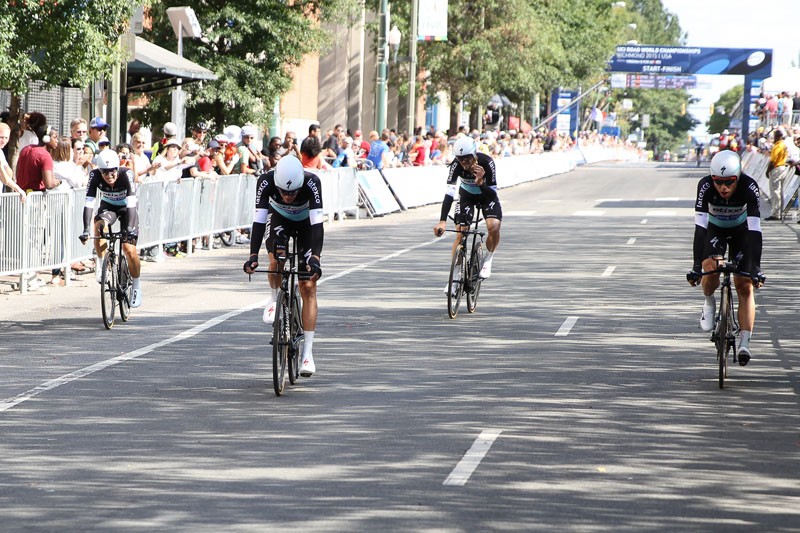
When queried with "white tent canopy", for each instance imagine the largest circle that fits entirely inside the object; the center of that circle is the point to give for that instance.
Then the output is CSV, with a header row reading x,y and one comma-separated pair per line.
x,y
786,80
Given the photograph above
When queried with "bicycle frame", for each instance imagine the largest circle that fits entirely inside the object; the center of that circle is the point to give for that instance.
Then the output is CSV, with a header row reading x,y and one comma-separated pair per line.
x,y
726,325
287,334
115,266
465,267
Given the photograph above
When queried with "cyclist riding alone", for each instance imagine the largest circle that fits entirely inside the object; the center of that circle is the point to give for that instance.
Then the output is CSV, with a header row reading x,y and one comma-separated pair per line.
x,y
727,213
118,203
289,201
478,187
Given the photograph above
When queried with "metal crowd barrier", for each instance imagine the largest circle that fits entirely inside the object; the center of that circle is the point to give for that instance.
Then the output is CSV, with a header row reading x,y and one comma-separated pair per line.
x,y
42,234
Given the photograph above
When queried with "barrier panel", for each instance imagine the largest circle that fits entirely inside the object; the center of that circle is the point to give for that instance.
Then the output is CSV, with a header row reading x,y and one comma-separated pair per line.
x,y
381,200
755,165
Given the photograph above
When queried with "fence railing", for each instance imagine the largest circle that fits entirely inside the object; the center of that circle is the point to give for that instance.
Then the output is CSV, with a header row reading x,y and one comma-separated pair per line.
x,y
42,233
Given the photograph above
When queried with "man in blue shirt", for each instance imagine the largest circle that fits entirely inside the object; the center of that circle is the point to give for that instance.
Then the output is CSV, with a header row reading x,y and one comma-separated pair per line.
x,y
378,149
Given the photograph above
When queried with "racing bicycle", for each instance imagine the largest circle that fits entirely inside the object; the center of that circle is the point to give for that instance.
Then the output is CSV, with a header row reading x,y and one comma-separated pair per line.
x,y
465,267
726,325
116,284
287,328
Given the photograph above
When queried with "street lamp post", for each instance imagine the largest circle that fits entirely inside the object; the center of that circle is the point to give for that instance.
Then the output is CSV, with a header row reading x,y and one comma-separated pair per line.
x,y
412,70
383,67
184,22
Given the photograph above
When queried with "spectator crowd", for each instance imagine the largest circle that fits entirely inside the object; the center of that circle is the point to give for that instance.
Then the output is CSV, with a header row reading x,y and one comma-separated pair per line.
x,y
45,159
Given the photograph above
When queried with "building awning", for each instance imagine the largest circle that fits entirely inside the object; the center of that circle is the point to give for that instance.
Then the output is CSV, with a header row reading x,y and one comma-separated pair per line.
x,y
154,69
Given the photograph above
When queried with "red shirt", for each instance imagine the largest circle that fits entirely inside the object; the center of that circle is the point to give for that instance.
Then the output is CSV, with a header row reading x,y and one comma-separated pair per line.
x,y
32,162
419,156
205,164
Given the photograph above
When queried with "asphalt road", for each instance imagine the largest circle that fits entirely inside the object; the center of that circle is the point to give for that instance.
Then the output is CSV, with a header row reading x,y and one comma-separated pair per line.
x,y
581,396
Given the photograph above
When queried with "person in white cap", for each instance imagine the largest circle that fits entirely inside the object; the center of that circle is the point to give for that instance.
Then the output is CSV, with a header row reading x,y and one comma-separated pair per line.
x,y
251,161
170,132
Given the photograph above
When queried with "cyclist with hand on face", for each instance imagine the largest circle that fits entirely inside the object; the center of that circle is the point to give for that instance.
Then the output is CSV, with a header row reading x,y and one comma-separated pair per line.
x,y
118,203
478,187
727,212
289,201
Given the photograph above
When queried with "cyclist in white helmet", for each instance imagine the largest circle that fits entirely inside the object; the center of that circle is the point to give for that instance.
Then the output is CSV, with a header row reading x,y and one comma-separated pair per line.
x,y
727,214
118,203
289,201
478,187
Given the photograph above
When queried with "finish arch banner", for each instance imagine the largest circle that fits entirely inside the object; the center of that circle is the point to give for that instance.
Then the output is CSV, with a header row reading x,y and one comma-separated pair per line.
x,y
755,64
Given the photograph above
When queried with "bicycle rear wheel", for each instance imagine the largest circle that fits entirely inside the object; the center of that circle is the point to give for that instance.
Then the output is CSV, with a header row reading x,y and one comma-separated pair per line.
x,y
297,334
474,287
226,238
124,288
455,287
108,292
723,336
280,343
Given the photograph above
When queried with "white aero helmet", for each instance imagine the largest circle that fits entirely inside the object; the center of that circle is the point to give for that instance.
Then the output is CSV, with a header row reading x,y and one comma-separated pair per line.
x,y
289,173
726,164
464,146
107,160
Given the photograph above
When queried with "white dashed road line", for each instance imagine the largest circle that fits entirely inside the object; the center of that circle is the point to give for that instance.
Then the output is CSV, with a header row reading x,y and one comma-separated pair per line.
x,y
607,272
467,465
631,241
567,326
9,403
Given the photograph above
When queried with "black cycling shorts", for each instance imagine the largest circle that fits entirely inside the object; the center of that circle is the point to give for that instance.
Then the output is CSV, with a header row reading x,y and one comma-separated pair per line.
x,y
278,231
467,203
719,239
111,215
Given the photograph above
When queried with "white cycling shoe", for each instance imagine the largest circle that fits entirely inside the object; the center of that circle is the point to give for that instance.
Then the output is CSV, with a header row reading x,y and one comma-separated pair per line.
x,y
743,354
136,300
98,272
707,317
486,270
308,367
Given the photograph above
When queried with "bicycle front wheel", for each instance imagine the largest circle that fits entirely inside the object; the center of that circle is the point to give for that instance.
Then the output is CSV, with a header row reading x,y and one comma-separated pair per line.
x,y
124,288
474,288
455,286
108,292
280,343
723,336
297,334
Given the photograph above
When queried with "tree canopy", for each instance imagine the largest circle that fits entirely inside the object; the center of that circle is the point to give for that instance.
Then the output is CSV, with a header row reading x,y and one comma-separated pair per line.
x,y
252,46
720,119
59,42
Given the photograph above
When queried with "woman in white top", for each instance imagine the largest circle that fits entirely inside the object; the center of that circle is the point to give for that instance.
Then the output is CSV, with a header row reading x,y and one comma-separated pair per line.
x,y
71,175
144,169
170,166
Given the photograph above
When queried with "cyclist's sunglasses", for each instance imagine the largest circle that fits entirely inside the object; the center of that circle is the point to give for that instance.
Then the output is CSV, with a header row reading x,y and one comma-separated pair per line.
x,y
107,171
284,192
465,158
727,182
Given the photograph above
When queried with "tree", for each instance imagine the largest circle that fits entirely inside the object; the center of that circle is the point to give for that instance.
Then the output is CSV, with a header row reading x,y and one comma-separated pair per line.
x,y
60,42
718,122
252,46
516,47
